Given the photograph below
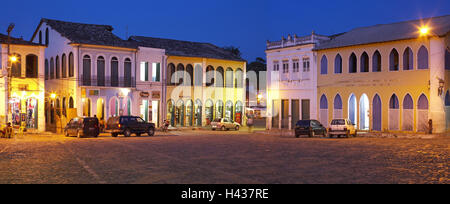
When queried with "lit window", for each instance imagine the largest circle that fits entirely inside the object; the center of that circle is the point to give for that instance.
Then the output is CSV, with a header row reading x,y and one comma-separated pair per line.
x,y
144,71
156,69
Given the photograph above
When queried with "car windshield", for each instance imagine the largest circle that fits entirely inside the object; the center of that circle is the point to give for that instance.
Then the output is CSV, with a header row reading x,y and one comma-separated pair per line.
x,y
338,122
303,123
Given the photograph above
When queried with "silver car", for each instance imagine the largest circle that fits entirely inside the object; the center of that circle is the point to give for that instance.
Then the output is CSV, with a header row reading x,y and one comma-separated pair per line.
x,y
225,124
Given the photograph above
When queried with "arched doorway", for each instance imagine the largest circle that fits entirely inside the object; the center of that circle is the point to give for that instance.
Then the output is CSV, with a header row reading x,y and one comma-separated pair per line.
x,y
376,113
352,109
394,113
229,110
323,112
101,108
198,112
364,113
209,111
180,113
219,109
408,113
86,106
337,107
239,111
32,113
189,113
171,112
422,114
113,107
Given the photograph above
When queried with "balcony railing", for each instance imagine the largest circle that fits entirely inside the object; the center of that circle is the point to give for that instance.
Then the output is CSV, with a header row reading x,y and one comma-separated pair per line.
x,y
293,41
107,82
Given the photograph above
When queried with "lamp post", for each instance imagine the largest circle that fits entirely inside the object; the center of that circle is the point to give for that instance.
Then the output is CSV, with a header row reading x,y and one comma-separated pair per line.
x,y
11,60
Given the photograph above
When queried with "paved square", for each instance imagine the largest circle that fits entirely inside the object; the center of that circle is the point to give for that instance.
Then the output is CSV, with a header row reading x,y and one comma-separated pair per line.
x,y
192,157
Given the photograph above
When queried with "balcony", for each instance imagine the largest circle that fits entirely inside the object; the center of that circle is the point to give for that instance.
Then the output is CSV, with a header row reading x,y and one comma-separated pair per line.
x,y
107,82
295,40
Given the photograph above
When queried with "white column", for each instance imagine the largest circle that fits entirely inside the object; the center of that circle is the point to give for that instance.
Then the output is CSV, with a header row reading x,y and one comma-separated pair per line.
x,y
437,72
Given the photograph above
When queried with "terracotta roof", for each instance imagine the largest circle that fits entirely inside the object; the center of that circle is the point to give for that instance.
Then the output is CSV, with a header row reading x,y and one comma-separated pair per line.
x,y
186,48
387,32
88,33
15,41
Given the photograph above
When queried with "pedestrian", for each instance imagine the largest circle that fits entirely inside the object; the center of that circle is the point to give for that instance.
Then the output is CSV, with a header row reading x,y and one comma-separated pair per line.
x,y
250,123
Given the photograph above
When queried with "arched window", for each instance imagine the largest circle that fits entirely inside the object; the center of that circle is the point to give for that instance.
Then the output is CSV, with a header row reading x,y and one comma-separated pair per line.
x,y
393,60
58,68
239,78
171,74
198,76
376,113
86,70
229,78
408,59
46,69
393,102
219,77
31,66
422,58
52,68
337,105
229,110
46,37
376,62
127,79
64,66
189,75
210,76
16,67
71,104
114,72
323,102
352,64
180,74
100,71
364,62
324,65
219,109
422,114
323,112
408,113
338,64
71,65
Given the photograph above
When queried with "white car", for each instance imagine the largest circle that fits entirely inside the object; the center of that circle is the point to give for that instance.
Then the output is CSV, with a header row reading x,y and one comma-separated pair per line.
x,y
224,124
342,127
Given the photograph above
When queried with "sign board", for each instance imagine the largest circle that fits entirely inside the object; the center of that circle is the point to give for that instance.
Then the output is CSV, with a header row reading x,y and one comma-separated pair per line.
x,y
144,94
156,95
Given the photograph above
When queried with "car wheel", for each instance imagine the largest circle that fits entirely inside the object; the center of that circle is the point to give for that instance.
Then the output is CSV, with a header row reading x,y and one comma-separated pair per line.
x,y
324,133
151,132
78,134
114,134
236,128
297,136
348,134
213,129
312,134
66,133
356,133
223,128
127,133
138,134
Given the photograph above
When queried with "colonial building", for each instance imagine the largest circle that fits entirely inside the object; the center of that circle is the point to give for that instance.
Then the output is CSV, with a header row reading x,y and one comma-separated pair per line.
x,y
291,80
27,90
202,82
391,77
89,71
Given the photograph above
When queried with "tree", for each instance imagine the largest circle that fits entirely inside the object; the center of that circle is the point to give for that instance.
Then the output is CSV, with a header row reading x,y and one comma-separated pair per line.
x,y
234,50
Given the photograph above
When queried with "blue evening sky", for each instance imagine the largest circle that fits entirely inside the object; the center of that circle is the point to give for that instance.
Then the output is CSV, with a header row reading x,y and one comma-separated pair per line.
x,y
246,24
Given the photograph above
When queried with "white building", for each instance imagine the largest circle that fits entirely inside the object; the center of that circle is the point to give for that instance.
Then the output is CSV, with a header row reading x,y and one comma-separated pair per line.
x,y
89,71
291,80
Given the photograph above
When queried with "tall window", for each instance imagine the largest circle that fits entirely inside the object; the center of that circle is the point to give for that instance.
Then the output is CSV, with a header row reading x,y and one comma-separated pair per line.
x,y
324,65
408,59
198,75
86,70
156,72
352,63
286,66
100,71
170,74
127,72
114,72
364,62
46,37
210,76
64,66
338,64
376,62
71,65
144,71
296,65
58,67
189,77
239,78
393,60
31,66
52,68
276,66
219,77
422,58
306,65
46,69
229,78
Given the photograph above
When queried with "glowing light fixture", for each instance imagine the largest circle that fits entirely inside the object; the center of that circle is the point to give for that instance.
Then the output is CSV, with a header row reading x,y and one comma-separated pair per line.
x,y
424,30
53,95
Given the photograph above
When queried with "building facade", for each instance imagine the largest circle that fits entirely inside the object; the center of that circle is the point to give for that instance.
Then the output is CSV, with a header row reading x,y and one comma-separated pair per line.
x,y
387,78
91,72
291,80
27,86
202,82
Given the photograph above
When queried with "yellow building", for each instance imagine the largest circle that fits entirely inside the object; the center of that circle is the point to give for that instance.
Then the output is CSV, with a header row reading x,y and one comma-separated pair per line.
x,y
203,82
26,76
387,78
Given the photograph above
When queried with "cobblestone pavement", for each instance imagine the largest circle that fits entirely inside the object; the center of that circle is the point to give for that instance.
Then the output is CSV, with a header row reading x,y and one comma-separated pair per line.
x,y
222,157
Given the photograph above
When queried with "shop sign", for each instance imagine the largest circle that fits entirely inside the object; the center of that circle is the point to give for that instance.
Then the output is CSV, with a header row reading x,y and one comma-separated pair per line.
x,y
156,95
144,94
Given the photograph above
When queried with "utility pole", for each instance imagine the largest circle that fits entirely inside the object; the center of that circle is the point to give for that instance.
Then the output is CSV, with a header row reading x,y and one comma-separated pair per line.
x,y
8,69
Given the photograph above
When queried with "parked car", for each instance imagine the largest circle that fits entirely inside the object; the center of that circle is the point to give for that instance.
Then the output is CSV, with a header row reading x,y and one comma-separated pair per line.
x,y
128,125
310,128
82,126
224,124
342,127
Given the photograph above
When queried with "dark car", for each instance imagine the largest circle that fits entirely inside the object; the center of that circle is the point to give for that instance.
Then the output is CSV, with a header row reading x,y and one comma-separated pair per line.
x,y
310,128
82,126
128,125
